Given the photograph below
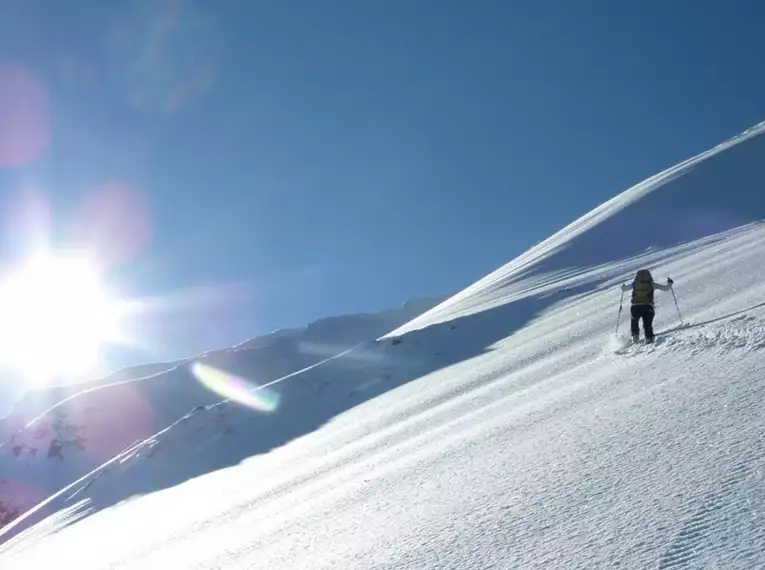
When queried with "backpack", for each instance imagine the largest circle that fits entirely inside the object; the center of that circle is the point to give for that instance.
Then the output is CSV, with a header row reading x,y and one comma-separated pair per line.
x,y
642,288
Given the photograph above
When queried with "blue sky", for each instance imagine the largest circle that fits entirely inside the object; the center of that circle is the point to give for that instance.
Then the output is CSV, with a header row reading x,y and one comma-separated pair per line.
x,y
266,163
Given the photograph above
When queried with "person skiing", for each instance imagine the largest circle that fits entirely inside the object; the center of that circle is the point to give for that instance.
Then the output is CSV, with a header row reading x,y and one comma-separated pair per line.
x,y
642,306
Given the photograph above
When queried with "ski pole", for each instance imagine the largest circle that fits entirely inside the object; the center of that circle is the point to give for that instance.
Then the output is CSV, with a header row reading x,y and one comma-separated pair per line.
x,y
619,316
677,306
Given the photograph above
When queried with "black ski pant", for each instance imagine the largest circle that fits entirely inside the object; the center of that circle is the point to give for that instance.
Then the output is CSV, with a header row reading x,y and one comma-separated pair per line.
x,y
645,312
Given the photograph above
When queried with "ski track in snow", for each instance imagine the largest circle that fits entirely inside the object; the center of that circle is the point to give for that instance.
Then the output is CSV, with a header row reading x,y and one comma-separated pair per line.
x,y
709,522
743,333
518,431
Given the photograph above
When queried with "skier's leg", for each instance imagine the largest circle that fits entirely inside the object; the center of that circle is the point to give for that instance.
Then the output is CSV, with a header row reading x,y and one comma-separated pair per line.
x,y
635,323
648,316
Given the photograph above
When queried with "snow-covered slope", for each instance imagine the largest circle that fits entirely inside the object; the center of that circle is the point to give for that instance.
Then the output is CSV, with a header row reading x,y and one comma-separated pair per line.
x,y
718,190
56,436
508,427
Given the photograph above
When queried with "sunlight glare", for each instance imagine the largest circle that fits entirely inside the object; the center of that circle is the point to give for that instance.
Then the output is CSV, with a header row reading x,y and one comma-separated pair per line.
x,y
54,318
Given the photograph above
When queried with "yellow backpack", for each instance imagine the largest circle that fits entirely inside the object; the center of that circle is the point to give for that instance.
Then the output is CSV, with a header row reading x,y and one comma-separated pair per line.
x,y
642,288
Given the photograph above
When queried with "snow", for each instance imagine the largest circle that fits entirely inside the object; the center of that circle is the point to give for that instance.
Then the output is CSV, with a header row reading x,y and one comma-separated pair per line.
x,y
507,427
60,439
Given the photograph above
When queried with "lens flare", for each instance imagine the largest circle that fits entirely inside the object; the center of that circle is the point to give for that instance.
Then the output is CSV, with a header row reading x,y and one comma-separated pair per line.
x,y
235,388
16,497
165,53
114,222
24,116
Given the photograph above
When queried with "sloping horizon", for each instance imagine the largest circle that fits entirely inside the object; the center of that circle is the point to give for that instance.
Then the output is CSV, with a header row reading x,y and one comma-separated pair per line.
x,y
510,416
246,167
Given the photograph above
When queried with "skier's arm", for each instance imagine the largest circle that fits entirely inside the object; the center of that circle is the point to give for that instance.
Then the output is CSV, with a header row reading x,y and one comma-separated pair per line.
x,y
662,287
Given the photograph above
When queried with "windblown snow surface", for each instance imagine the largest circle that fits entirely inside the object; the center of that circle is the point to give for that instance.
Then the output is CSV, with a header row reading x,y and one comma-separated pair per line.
x,y
508,427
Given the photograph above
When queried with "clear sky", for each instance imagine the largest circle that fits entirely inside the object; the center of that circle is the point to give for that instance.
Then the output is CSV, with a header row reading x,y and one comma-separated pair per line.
x,y
259,164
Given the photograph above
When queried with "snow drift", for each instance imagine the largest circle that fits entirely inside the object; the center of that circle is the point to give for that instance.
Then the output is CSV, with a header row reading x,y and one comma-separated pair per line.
x,y
502,428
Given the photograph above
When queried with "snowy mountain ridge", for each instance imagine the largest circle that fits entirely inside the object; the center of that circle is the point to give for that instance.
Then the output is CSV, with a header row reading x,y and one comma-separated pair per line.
x,y
326,336
86,428
508,426
585,241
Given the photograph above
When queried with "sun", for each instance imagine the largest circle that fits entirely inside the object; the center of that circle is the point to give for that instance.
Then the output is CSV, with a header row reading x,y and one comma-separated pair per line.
x,y
55,318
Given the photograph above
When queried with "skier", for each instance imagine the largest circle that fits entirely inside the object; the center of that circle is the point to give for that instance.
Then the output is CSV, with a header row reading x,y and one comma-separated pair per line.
x,y
642,303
